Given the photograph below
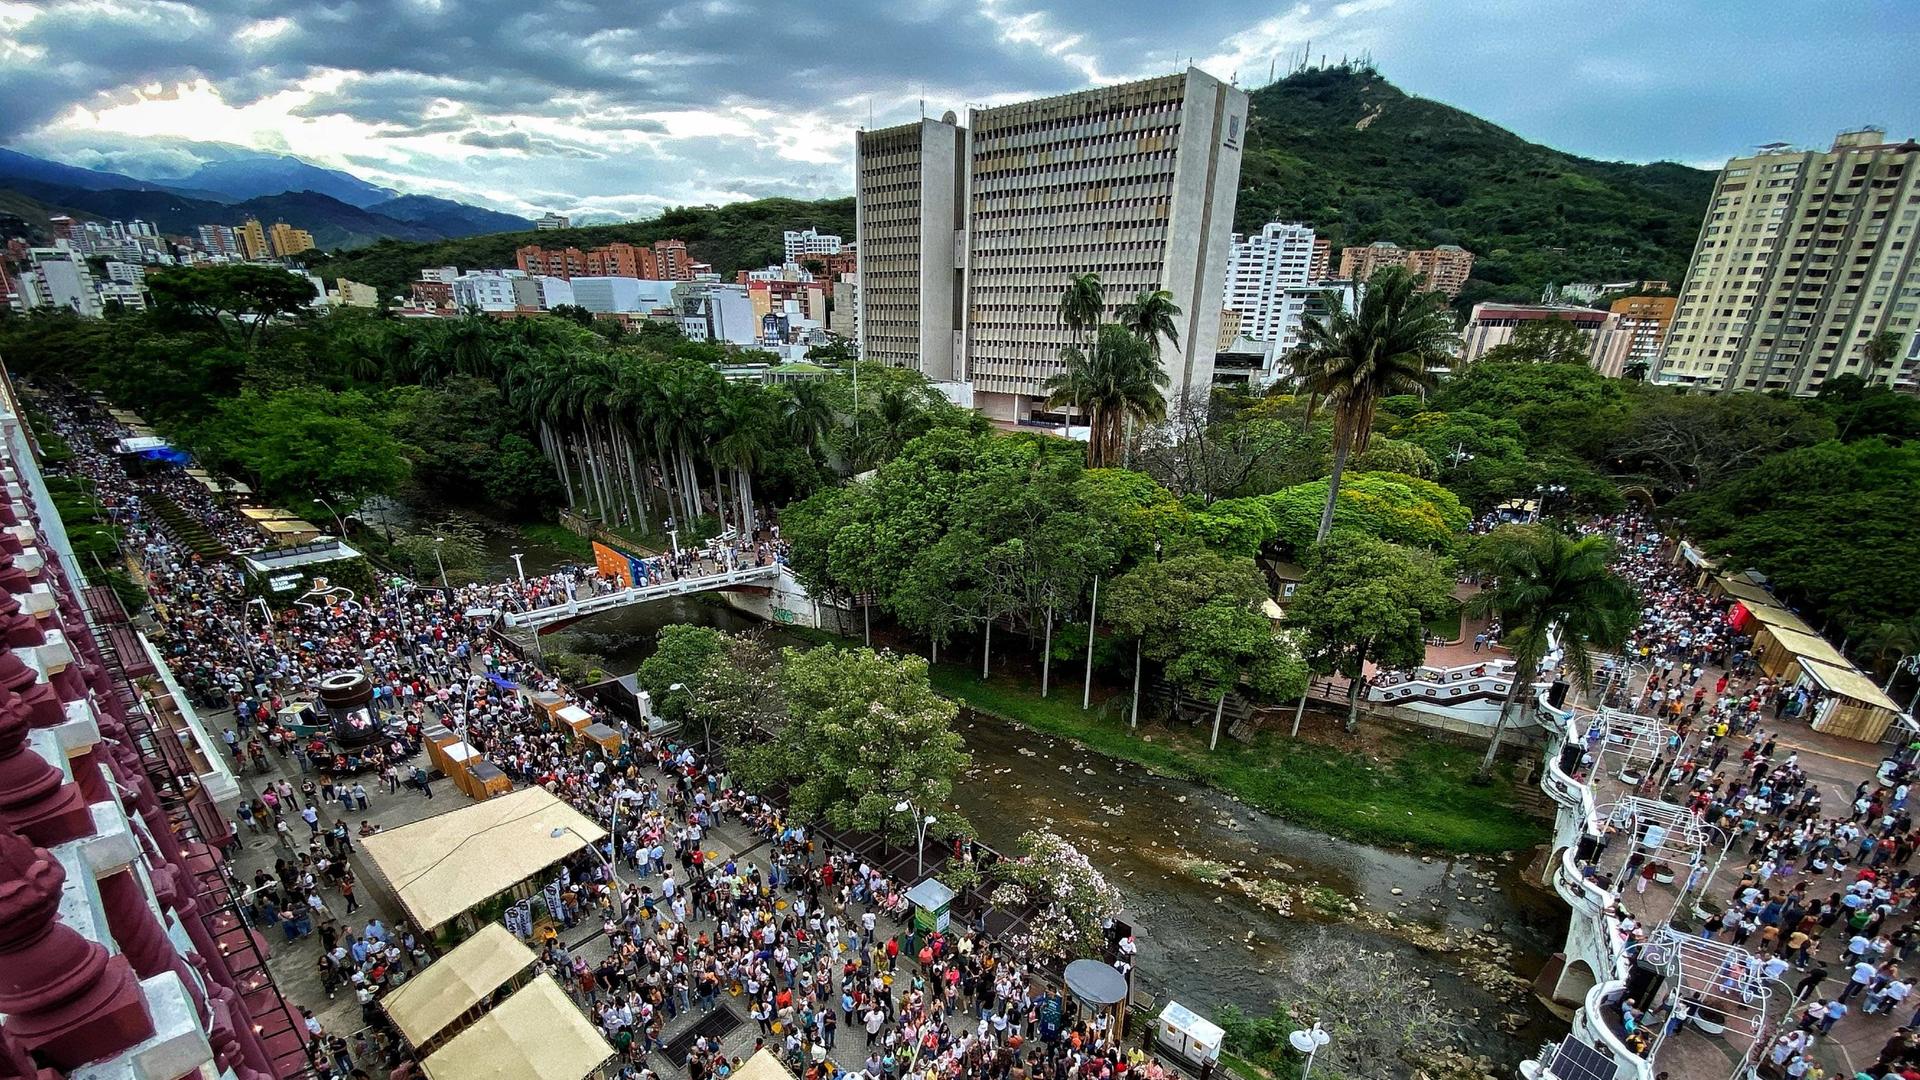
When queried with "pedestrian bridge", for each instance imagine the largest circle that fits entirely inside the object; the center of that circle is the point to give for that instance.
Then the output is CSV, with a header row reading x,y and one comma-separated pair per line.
x,y
746,576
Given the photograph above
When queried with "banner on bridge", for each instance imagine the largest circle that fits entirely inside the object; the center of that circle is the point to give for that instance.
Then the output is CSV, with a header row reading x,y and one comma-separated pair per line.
x,y
614,564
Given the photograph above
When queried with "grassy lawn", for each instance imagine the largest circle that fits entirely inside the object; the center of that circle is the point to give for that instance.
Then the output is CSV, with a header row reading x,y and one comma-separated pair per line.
x,y
1423,798
1446,627
557,537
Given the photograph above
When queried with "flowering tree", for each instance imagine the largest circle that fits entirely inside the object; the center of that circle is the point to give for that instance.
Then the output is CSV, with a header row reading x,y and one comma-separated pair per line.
x,y
1073,899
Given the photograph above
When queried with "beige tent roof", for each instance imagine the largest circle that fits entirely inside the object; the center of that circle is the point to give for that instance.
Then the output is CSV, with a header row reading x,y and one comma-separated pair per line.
x,y
1745,589
443,865
1809,647
424,1005
264,513
1848,683
1778,617
762,1066
537,1034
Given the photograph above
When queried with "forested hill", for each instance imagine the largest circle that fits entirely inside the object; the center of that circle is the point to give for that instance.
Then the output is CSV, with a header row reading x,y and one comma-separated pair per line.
x,y
1353,155
733,237
1341,149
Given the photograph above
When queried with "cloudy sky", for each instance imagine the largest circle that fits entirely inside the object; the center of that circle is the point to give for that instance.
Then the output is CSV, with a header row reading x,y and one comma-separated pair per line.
x,y
614,109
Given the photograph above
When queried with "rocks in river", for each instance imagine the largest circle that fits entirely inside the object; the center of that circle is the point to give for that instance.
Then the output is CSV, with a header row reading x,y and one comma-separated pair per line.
x,y
1396,890
1024,752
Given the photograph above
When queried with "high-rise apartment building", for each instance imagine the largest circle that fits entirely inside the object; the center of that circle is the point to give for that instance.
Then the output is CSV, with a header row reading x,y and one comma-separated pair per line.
x,y
1260,268
1804,258
805,244
252,237
287,240
909,213
550,221
671,261
974,230
1445,267
1321,268
219,240
1644,319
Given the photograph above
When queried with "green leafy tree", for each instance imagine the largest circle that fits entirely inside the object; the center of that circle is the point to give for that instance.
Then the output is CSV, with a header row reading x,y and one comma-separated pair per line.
x,y
237,299
865,733
451,542
1352,359
1402,509
682,656
1223,644
736,697
301,443
1879,354
1160,602
1365,601
1544,583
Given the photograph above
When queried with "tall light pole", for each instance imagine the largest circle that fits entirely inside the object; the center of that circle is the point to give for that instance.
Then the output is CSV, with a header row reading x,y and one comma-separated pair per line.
x,y
613,872
337,519
519,567
437,541
920,826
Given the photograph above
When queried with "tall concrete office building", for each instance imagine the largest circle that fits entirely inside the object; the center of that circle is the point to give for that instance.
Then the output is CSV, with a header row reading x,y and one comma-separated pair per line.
x,y
908,214
1134,182
1804,257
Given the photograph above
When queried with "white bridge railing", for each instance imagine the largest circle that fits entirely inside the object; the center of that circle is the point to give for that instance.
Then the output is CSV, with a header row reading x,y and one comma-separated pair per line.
x,y
640,594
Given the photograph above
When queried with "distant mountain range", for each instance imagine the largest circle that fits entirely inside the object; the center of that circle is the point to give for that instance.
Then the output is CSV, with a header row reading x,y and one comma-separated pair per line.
x,y
339,209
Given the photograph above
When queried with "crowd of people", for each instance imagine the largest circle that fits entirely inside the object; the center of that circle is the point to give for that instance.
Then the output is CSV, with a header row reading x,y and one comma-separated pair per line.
x,y
1817,899
805,941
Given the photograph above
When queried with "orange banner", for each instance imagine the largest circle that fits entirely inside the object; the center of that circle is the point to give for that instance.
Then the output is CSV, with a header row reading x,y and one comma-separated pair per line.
x,y
614,564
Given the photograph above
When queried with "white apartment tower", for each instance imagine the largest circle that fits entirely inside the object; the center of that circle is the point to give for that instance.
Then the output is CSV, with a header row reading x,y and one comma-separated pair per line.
x,y
1135,183
1260,270
805,243
1804,257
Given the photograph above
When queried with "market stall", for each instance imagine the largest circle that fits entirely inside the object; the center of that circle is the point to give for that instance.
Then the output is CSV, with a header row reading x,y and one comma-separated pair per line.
x,y
537,1034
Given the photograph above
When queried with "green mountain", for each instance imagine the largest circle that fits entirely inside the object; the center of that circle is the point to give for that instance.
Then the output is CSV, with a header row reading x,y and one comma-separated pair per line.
x,y
1360,160
736,236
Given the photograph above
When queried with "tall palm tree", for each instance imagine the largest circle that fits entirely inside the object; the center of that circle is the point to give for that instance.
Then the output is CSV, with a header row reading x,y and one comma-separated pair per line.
x,y
1546,583
807,413
1151,316
1352,359
1081,304
1117,381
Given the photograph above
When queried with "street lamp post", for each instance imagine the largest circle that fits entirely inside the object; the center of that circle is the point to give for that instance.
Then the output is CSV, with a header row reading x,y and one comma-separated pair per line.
x,y
1309,1041
519,568
1541,493
337,519
920,847
441,563
613,872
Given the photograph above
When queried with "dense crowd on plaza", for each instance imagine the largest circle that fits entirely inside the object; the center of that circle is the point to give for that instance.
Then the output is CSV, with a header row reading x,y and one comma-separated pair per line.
x,y
806,941
1818,898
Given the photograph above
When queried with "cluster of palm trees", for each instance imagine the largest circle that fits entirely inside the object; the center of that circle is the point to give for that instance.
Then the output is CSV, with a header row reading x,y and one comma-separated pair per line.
x,y
1113,374
628,431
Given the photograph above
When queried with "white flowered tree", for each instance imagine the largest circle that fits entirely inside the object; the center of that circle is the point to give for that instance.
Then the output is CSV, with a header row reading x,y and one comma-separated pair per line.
x,y
1073,901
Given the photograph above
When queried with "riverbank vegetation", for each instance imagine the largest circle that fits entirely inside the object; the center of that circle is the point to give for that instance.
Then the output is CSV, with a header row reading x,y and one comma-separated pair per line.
x,y
1409,792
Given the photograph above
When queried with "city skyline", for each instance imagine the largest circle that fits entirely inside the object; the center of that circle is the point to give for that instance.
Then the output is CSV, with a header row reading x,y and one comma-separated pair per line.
x,y
611,113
